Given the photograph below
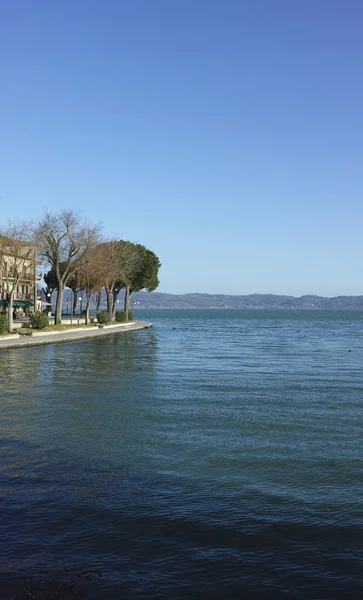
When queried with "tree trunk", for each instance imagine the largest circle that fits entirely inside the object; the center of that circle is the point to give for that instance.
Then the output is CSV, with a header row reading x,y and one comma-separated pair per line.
x,y
99,294
109,304
75,300
10,312
127,301
88,298
58,306
114,303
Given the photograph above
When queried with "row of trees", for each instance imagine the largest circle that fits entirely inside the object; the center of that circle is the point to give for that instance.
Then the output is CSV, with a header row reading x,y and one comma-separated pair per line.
x,y
78,257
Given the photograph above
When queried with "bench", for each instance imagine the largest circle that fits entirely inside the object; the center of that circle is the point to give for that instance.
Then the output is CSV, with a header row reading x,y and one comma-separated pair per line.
x,y
100,326
25,333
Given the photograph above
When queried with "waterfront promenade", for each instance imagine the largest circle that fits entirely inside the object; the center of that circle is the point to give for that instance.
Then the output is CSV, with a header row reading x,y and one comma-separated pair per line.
x,y
40,338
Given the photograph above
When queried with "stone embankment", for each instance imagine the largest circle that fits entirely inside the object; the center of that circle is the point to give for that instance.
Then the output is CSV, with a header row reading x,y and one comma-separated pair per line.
x,y
39,338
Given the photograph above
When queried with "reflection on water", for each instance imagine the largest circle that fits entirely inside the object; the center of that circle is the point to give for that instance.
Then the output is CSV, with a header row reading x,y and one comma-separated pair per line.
x,y
216,454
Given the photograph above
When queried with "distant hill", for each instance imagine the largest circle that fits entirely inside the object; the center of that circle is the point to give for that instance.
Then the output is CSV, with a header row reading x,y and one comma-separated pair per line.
x,y
159,300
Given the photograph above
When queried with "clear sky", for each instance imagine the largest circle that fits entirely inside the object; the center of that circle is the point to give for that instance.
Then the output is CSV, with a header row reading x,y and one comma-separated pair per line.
x,y
225,135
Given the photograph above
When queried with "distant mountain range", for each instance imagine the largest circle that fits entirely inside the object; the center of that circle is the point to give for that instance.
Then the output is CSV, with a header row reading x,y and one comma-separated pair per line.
x,y
223,301
159,300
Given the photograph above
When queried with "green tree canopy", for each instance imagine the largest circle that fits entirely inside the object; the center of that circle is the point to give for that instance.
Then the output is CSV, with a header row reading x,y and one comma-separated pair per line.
x,y
146,277
50,278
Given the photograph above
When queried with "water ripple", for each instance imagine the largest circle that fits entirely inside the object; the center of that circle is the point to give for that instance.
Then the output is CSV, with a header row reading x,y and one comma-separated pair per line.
x,y
217,454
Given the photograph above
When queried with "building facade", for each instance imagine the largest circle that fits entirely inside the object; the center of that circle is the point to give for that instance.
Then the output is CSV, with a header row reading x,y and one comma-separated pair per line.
x,y
18,274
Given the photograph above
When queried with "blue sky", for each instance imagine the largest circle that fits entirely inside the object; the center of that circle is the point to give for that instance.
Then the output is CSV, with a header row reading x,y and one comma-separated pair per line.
x,y
225,135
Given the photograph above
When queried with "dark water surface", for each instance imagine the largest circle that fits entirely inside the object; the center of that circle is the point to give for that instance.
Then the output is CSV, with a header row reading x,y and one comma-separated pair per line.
x,y
216,455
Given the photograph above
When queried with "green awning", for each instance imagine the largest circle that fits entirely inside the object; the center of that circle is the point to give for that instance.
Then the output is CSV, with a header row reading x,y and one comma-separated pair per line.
x,y
17,303
22,303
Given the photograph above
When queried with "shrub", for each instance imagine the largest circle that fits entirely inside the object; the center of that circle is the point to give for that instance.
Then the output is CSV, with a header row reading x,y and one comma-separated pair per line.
x,y
3,323
38,320
121,317
103,317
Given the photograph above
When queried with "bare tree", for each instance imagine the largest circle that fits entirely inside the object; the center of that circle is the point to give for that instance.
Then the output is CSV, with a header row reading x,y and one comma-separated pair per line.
x,y
64,238
17,262
90,274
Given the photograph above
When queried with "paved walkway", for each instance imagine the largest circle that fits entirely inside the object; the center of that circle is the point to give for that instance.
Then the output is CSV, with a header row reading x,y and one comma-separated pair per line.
x,y
49,337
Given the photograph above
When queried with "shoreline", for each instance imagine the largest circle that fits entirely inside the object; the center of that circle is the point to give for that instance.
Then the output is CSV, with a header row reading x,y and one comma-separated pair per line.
x,y
49,337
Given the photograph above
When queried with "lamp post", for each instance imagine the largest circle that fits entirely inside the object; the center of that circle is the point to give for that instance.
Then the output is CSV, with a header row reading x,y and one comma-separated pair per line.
x,y
49,305
81,302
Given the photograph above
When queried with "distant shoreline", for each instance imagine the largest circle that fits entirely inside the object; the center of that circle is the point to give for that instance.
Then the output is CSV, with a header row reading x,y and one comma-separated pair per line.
x,y
161,300
250,301
245,308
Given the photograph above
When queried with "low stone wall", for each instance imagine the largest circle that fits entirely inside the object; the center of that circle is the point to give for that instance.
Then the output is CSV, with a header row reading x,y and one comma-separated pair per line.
x,y
40,338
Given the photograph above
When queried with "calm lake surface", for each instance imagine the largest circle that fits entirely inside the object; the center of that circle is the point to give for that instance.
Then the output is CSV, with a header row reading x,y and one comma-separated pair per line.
x,y
217,455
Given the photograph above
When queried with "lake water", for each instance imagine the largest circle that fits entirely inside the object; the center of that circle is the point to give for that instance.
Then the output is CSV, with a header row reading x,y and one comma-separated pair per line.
x,y
216,455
